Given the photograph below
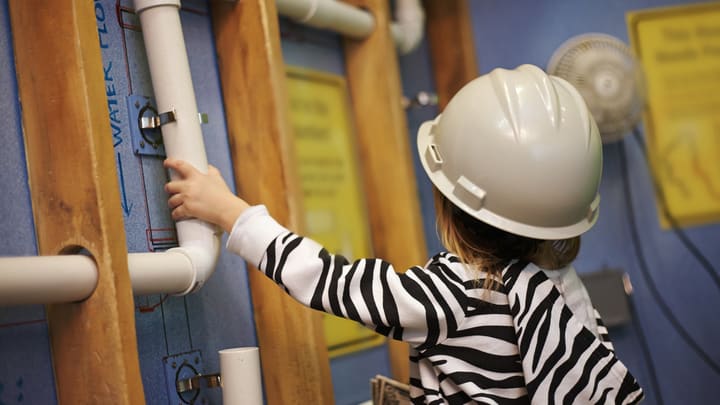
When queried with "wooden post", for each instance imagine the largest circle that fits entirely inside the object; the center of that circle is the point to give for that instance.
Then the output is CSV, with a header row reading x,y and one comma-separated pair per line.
x,y
393,206
75,196
293,352
452,50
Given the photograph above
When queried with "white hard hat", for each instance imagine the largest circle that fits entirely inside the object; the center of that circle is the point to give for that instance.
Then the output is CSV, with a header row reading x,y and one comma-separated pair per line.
x,y
519,150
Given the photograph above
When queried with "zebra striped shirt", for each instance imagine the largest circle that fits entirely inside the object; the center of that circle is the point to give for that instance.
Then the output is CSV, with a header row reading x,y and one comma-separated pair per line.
x,y
518,344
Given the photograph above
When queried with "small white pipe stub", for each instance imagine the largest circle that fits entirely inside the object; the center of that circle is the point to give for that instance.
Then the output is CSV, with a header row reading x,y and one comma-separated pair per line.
x,y
240,376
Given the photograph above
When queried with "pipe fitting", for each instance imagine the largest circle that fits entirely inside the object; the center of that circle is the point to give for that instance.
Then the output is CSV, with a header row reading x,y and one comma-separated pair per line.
x,y
200,243
408,28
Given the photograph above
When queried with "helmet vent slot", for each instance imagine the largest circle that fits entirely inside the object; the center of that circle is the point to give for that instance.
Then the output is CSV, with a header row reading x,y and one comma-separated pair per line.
x,y
433,157
470,194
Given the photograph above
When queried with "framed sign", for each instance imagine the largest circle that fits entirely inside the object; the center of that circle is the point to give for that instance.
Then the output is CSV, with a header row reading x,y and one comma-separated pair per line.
x,y
333,199
679,49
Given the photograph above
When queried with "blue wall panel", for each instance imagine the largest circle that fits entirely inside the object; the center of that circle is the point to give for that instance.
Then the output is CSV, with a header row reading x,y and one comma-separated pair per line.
x,y
217,317
220,314
25,364
681,364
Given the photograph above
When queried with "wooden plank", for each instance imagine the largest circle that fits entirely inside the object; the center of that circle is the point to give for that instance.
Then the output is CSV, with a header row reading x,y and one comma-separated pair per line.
x,y
385,154
452,50
292,344
75,196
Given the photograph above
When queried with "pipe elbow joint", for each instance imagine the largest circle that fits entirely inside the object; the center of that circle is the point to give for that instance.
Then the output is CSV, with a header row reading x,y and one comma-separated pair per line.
x,y
409,26
203,254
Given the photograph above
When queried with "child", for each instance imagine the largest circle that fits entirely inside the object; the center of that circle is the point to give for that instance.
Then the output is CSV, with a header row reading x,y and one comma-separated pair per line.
x,y
502,318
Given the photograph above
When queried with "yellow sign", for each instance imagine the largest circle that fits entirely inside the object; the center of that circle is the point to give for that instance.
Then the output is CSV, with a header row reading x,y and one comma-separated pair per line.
x,y
334,203
679,49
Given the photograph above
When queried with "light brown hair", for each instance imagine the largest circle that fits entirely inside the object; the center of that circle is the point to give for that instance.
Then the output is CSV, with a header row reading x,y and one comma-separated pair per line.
x,y
490,250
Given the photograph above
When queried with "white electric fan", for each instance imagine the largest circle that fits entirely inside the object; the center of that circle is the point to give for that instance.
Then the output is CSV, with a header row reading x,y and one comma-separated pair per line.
x,y
608,76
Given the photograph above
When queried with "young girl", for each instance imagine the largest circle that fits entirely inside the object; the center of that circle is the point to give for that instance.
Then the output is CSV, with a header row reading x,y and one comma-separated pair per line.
x,y
502,318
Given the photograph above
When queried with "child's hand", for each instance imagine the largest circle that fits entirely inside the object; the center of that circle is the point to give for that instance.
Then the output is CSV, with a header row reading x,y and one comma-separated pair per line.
x,y
202,196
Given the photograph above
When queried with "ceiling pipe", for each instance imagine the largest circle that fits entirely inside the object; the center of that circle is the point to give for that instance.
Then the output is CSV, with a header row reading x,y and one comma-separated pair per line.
x,y
179,271
353,22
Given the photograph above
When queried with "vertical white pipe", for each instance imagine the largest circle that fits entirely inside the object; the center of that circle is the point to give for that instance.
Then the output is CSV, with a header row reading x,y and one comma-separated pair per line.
x,y
173,88
240,376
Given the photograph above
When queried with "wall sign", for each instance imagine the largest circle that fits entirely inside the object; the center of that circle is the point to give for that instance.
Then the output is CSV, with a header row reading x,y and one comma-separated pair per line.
x,y
679,49
327,164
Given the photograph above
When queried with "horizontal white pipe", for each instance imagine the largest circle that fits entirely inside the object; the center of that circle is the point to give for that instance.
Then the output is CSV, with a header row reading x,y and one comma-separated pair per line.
x,y
353,22
160,272
240,376
332,15
46,279
55,279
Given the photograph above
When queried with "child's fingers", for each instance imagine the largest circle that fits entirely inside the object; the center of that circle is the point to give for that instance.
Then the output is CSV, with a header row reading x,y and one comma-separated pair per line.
x,y
178,214
184,169
173,187
175,201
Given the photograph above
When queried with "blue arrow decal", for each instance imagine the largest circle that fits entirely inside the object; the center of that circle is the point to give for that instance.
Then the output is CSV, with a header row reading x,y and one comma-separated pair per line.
x,y
126,208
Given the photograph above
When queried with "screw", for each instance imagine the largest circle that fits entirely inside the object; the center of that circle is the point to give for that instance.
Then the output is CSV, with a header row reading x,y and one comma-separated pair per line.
x,y
142,144
197,360
174,364
137,104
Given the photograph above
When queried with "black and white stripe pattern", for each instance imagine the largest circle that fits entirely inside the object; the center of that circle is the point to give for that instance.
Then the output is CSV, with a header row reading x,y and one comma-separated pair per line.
x,y
519,344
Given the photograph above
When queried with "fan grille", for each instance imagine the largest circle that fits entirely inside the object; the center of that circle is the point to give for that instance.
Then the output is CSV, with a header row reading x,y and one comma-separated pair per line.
x,y
607,75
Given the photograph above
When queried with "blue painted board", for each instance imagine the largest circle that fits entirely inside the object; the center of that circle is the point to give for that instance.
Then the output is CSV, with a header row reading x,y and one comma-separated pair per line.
x,y
26,374
219,316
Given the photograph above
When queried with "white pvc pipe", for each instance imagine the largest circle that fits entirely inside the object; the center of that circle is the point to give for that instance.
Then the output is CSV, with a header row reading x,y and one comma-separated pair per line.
x,y
353,22
409,26
46,279
160,272
53,279
329,14
240,376
173,89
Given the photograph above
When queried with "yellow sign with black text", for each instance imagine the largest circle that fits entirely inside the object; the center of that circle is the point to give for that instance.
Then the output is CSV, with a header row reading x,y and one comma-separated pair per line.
x,y
327,164
679,50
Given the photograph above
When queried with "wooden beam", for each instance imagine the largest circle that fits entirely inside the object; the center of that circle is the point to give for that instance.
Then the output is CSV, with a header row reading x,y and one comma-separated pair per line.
x,y
390,186
75,196
452,50
293,352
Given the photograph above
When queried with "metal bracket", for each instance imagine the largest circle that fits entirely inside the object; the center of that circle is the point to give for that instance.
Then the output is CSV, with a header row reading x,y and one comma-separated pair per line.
x,y
146,137
179,368
197,382
156,120
145,133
